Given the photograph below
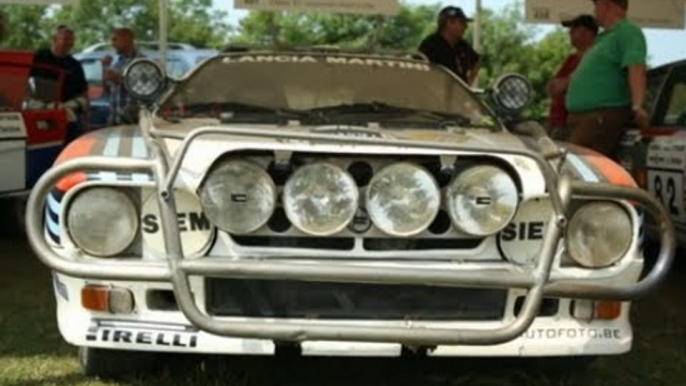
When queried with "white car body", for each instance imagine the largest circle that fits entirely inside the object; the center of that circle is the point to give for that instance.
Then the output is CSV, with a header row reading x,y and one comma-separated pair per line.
x,y
567,325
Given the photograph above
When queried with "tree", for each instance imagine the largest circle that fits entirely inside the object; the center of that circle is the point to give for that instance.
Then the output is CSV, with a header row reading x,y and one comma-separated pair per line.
x,y
28,26
401,32
190,21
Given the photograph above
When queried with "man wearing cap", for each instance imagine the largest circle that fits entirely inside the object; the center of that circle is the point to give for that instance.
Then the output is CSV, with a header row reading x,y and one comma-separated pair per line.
x,y
608,89
582,32
447,47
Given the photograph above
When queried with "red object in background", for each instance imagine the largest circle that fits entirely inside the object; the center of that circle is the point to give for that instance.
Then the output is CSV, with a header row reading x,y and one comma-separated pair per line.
x,y
558,110
15,67
15,70
95,92
45,126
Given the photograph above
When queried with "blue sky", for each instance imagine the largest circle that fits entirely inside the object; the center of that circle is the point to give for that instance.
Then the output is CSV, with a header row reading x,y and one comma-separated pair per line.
x,y
663,45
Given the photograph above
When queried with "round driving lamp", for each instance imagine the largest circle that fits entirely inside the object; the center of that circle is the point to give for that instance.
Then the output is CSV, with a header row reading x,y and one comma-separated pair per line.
x,y
238,197
103,222
144,79
599,234
513,92
482,200
320,199
403,199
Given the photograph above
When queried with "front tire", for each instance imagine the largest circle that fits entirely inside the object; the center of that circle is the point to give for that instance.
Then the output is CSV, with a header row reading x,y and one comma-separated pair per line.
x,y
114,364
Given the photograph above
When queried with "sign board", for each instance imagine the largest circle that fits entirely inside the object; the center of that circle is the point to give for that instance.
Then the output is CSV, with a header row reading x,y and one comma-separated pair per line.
x,y
40,2
372,7
667,14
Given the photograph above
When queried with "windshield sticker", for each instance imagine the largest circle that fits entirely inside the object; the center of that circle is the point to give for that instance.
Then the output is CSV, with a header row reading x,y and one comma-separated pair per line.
x,y
341,60
350,132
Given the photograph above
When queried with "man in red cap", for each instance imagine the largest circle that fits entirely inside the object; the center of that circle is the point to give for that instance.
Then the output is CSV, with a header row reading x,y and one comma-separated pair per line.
x,y
582,32
448,48
607,91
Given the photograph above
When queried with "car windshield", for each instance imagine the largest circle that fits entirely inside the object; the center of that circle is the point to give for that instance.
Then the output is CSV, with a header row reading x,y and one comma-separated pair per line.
x,y
335,89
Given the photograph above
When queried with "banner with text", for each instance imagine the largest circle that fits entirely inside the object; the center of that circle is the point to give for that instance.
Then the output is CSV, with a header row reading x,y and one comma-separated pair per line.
x,y
667,14
372,7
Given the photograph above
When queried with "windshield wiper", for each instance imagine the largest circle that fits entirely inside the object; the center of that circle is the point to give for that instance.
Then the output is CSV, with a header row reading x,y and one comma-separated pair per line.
x,y
380,108
228,110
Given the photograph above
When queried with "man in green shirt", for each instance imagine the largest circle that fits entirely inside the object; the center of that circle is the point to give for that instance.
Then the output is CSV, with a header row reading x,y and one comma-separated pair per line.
x,y
607,91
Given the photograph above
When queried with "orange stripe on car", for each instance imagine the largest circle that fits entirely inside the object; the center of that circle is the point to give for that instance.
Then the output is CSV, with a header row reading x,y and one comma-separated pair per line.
x,y
608,169
79,148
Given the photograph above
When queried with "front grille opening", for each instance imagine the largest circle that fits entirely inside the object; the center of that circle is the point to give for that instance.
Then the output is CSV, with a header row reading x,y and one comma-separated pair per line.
x,y
406,244
330,243
549,307
279,223
280,172
161,300
361,172
442,175
441,224
336,301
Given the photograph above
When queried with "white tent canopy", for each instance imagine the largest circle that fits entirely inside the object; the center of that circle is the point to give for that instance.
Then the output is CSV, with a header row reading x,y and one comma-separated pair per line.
x,y
663,14
39,2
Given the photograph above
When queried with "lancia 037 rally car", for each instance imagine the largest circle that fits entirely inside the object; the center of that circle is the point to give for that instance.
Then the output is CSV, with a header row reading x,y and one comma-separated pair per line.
x,y
343,204
33,128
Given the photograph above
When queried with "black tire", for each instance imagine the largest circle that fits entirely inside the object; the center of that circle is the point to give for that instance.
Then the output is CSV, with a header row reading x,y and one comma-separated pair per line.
x,y
19,210
115,364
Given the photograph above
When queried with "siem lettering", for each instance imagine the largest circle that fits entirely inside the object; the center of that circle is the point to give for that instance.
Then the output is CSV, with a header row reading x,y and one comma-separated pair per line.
x,y
523,231
192,222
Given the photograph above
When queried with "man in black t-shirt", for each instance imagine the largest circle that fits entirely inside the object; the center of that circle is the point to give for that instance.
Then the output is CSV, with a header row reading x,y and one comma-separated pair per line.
x,y
59,55
43,81
447,46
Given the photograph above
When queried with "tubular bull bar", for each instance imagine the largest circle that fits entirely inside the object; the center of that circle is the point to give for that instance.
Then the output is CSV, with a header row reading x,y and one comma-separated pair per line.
x,y
177,269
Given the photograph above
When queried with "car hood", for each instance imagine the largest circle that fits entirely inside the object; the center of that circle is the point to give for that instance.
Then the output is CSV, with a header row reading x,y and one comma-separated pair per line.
x,y
468,138
127,141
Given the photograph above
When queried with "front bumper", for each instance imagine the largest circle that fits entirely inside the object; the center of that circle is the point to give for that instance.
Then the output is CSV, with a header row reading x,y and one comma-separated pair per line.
x,y
557,334
536,281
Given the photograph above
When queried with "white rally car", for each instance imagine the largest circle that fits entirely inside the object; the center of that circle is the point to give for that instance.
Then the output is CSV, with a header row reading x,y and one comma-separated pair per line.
x,y
342,204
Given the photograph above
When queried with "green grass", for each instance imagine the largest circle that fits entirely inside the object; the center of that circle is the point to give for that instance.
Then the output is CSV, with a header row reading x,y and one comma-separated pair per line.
x,y
33,353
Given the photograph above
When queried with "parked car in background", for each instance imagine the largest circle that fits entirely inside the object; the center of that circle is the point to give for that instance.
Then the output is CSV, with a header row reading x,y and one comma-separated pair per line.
x,y
338,204
181,58
33,128
656,156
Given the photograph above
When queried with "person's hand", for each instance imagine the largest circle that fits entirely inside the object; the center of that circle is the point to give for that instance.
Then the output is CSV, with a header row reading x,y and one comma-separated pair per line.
x,y
641,117
111,76
106,60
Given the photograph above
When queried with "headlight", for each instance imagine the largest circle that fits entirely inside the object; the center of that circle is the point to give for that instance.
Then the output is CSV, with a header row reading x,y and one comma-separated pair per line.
x,y
403,199
103,221
320,199
238,197
599,234
482,200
